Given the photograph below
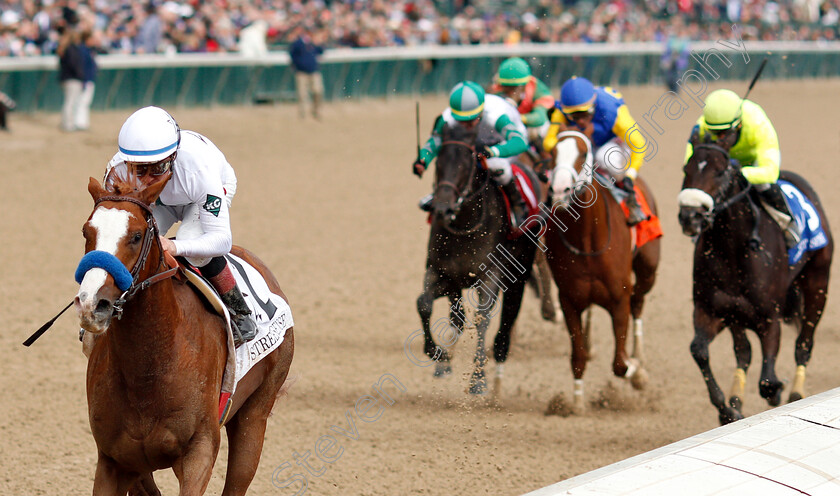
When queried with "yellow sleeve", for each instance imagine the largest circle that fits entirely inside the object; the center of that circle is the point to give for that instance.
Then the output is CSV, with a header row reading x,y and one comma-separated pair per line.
x,y
768,158
623,123
689,148
557,120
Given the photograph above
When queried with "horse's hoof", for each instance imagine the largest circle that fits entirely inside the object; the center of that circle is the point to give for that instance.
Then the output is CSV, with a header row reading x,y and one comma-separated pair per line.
x,y
549,314
728,416
478,384
639,379
772,392
442,369
736,403
794,397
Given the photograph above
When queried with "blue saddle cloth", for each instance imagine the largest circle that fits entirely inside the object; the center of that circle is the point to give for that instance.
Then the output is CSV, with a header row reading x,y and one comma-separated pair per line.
x,y
807,220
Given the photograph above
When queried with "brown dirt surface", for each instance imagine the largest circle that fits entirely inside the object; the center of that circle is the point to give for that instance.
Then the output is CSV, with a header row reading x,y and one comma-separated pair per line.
x,y
331,208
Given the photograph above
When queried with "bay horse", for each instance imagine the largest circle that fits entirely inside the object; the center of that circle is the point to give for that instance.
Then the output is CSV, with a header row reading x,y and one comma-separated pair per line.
x,y
592,259
742,279
155,372
469,247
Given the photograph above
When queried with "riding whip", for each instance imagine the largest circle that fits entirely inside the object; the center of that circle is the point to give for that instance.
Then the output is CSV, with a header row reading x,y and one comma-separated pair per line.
x,y
45,327
417,118
752,83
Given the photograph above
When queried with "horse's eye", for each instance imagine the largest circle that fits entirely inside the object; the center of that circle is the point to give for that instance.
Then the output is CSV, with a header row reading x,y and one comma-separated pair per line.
x,y
136,238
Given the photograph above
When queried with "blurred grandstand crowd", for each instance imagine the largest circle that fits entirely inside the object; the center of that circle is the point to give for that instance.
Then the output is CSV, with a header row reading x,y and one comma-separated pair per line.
x,y
34,27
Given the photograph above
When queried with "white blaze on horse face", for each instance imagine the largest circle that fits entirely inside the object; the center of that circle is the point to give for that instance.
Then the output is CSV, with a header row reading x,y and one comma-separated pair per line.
x,y
111,226
693,197
564,175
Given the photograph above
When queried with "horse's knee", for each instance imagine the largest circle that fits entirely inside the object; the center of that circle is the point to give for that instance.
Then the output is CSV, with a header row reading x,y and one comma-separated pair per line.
x,y
700,350
424,306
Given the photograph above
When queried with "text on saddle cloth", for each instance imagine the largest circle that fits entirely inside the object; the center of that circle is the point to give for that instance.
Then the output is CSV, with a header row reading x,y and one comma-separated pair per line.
x,y
271,313
808,221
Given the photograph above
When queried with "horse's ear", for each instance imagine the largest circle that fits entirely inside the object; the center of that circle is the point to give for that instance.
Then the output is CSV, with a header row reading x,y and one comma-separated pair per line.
x,y
95,189
149,194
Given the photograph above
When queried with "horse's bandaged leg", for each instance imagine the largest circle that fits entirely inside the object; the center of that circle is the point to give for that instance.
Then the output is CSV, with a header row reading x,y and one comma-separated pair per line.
x,y
578,404
638,340
739,379
799,381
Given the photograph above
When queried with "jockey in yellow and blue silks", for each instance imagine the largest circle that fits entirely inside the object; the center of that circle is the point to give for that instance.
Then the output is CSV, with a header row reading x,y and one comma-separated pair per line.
x,y
754,144
600,112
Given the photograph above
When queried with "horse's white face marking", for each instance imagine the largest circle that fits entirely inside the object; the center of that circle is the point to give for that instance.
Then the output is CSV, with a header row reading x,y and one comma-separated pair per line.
x,y
564,176
111,226
702,165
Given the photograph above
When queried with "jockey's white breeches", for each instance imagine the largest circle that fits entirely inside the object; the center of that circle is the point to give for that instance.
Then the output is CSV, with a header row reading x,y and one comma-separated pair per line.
x,y
502,172
613,157
190,227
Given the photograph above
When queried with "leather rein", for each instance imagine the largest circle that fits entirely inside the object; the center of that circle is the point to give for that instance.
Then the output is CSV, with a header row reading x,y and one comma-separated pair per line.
x,y
467,195
150,237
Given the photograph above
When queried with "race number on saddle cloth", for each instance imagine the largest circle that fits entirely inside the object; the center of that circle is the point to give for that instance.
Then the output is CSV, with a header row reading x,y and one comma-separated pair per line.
x,y
807,221
272,314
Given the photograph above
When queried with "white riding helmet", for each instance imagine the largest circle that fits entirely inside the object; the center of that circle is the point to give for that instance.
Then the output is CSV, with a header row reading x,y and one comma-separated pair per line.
x,y
148,135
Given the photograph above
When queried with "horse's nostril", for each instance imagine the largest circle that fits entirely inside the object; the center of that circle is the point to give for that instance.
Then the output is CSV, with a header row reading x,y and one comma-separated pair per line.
x,y
104,306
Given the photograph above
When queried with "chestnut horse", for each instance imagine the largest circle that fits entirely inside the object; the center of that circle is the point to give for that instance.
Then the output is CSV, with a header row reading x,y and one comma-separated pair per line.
x,y
469,248
742,278
593,261
155,371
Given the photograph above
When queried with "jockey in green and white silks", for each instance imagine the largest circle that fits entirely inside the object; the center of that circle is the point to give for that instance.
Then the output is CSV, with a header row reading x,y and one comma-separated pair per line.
x,y
754,144
501,135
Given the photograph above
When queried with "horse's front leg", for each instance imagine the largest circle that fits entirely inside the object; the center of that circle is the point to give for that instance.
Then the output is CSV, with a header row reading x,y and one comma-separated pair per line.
x,y
580,351
425,302
769,386
511,304
110,480
194,469
706,328
547,309
743,357
624,366
488,292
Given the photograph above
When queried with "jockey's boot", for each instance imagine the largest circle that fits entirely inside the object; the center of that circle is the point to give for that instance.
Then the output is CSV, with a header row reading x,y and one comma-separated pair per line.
x,y
240,316
243,325
635,213
426,203
517,203
775,199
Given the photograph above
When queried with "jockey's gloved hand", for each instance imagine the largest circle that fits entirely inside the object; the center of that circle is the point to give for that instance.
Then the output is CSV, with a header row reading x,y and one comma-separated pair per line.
x,y
484,151
418,167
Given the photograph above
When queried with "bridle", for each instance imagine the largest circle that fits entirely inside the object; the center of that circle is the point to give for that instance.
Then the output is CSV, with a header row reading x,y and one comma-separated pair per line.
x,y
150,237
465,196
730,178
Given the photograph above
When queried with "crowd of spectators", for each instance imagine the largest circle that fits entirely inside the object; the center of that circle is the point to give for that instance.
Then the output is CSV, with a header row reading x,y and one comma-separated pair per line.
x,y
34,27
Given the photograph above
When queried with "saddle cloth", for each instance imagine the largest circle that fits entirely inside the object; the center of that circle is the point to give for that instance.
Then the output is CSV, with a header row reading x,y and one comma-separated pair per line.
x,y
808,221
644,231
526,183
271,313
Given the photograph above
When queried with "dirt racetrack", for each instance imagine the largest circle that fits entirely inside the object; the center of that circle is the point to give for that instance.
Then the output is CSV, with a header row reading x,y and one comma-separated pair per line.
x,y
331,207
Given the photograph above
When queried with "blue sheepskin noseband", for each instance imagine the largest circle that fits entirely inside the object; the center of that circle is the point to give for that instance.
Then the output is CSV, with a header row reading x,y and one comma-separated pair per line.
x,y
107,262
